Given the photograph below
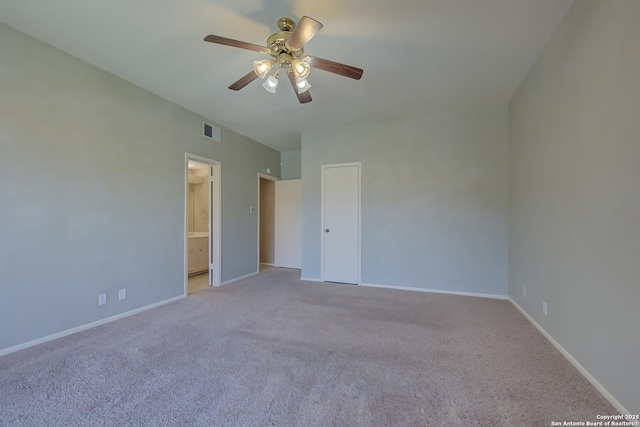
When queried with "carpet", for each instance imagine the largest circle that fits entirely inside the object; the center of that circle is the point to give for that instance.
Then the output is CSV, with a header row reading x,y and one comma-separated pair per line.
x,y
272,350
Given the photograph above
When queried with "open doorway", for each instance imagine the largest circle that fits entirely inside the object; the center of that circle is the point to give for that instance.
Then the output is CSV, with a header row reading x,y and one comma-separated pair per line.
x,y
202,223
266,219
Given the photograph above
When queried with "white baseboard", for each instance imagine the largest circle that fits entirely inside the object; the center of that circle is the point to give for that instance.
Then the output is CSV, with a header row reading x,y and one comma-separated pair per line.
x,y
246,276
310,279
435,291
605,393
87,326
270,264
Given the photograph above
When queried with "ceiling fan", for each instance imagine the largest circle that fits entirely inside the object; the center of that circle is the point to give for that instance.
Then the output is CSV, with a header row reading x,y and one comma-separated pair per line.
x,y
287,50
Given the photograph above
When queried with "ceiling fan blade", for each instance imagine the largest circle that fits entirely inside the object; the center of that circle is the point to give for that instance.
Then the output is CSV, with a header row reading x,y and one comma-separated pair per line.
x,y
245,80
235,43
303,32
336,68
303,97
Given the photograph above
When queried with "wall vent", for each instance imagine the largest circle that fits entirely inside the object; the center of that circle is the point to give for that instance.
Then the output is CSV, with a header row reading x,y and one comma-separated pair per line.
x,y
210,131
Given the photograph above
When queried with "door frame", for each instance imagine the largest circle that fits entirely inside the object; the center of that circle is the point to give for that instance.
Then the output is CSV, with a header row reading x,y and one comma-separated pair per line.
x,y
270,178
322,233
215,217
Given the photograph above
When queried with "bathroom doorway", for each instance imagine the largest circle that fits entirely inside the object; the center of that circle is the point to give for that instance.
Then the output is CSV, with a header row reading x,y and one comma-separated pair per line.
x,y
202,223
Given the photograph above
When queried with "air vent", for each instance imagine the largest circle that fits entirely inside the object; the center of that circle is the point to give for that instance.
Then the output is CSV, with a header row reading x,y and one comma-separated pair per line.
x,y
211,131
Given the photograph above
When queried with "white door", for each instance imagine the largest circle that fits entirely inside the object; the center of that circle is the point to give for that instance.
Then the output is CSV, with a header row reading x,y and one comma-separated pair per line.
x,y
212,218
288,223
341,222
215,227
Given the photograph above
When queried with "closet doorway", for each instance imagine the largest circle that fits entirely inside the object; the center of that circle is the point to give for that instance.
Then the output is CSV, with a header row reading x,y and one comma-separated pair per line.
x,y
279,222
202,223
266,220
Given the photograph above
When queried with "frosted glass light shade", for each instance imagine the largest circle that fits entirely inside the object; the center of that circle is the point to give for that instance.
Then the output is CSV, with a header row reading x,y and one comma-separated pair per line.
x,y
262,67
301,68
302,85
271,84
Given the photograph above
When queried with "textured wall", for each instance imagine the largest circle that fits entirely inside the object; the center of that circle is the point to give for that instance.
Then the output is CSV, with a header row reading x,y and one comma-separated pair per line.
x,y
574,236
434,199
92,192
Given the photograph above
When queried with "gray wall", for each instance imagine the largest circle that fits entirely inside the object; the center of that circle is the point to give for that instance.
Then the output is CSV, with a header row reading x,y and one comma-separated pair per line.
x,y
92,192
434,199
291,164
574,235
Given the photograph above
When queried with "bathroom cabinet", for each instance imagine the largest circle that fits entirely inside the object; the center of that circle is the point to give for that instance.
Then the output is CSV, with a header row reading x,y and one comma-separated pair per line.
x,y
198,254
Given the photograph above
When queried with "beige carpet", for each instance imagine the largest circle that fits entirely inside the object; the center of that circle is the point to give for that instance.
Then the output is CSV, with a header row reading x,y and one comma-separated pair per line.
x,y
275,351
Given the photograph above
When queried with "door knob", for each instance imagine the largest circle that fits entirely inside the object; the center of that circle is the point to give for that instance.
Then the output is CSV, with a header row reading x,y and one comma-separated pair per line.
x,y
326,230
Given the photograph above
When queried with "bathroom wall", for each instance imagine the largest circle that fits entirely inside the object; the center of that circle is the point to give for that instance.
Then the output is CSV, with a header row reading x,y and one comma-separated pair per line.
x,y
200,207
190,208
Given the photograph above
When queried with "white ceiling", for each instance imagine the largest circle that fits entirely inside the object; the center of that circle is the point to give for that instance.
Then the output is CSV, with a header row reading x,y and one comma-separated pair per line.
x,y
416,54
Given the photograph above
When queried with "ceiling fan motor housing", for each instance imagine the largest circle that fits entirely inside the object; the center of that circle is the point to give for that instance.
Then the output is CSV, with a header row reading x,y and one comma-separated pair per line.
x,y
276,44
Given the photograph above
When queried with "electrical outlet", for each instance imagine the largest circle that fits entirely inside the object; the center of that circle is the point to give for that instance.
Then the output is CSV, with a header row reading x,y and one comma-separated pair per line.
x,y
544,308
524,292
122,294
102,299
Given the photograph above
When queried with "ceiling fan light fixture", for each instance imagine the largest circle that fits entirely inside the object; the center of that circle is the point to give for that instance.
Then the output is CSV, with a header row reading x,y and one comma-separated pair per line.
x,y
271,83
302,85
261,68
286,47
301,67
